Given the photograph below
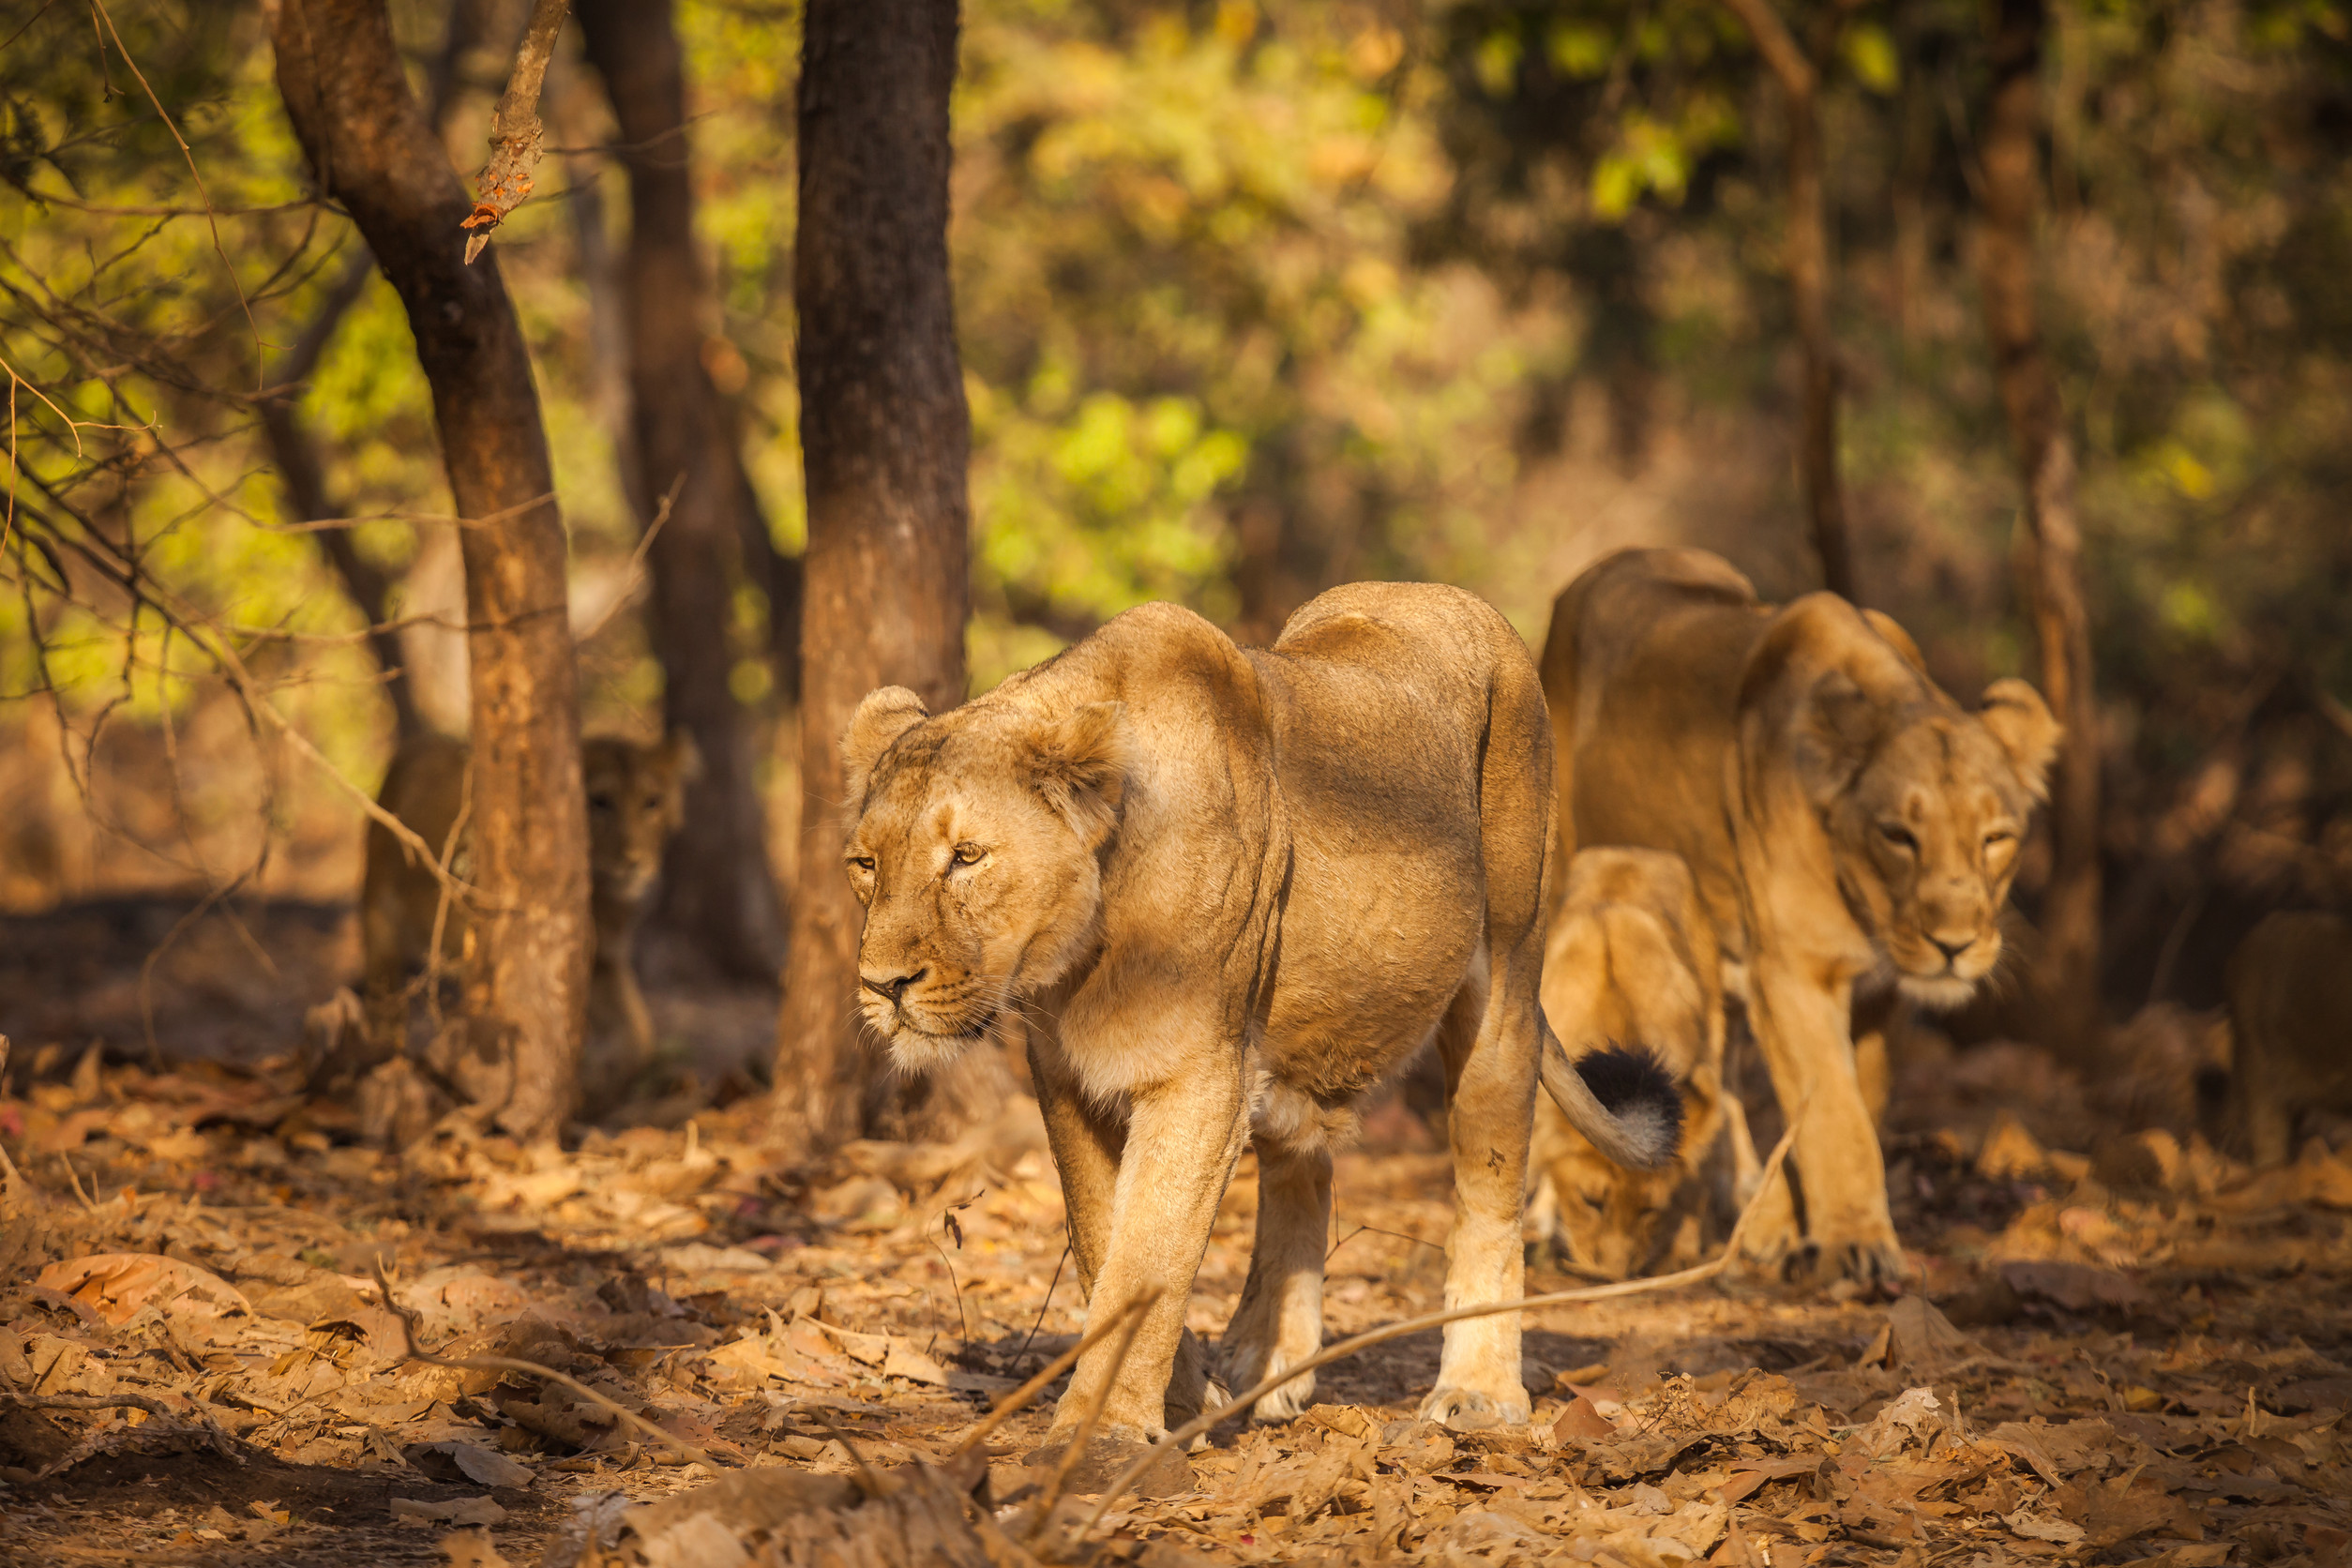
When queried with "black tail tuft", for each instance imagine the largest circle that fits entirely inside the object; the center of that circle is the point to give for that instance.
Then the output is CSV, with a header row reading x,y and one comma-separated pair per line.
x,y
1636,1088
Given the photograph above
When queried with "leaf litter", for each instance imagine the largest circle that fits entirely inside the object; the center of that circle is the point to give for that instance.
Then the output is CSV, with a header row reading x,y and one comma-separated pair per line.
x,y
2146,1360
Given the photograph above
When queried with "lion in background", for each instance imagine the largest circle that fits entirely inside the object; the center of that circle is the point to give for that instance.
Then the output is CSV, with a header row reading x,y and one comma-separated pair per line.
x,y
1841,818
636,802
1632,962
1229,890
2290,1015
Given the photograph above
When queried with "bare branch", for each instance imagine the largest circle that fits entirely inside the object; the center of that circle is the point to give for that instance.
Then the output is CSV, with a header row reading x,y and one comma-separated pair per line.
x,y
1778,46
514,130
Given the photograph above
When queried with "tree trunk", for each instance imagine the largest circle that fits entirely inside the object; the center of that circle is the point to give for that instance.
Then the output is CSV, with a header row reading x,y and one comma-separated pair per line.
x,y
296,456
886,438
2067,974
1809,286
372,151
717,888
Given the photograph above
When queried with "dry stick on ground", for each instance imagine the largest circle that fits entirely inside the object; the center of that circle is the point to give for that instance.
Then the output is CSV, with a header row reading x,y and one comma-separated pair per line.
x,y
407,1315
1075,1449
1241,1402
514,131
1015,1402
222,1442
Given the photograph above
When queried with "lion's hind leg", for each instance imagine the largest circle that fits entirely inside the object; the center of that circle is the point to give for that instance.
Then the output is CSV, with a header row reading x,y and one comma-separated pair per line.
x,y
1490,1044
1279,1322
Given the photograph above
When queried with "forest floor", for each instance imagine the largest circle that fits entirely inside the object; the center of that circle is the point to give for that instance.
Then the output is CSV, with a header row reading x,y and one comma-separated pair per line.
x,y
2136,1352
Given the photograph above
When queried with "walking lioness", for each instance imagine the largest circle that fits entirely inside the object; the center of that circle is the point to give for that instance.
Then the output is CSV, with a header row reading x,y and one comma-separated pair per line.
x,y
1842,816
1230,889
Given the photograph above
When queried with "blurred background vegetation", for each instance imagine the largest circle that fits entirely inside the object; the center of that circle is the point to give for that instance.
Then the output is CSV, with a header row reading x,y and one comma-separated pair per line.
x,y
1254,296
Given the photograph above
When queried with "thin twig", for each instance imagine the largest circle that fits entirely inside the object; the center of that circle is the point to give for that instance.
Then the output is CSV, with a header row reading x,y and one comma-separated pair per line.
x,y
633,576
1046,1303
1075,1450
1273,1380
514,130
98,7
865,1474
407,1315
1015,1402
221,1440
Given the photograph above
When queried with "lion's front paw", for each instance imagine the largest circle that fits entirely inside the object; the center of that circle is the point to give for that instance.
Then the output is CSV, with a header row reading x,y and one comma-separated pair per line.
x,y
1107,1456
1469,1409
1874,1265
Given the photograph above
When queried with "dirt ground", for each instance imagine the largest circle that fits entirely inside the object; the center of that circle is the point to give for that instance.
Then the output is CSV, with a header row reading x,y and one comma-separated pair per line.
x,y
2124,1348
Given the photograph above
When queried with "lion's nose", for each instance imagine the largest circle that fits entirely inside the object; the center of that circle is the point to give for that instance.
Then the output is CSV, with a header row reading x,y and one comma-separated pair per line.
x,y
1951,950
891,987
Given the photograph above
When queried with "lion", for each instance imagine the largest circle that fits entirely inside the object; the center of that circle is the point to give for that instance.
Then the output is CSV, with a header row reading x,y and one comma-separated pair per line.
x,y
1632,962
1843,819
2290,1018
636,802
1229,890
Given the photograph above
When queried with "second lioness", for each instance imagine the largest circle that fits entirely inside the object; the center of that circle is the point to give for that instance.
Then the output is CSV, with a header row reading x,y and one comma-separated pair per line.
x,y
1229,890
1842,816
636,800
1631,964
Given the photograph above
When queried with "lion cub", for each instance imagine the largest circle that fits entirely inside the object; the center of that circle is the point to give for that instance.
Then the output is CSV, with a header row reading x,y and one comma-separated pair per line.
x,y
636,801
2290,1015
1631,963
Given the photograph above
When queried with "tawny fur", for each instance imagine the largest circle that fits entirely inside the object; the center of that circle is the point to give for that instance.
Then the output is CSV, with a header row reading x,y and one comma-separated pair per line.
x,y
2290,1014
1841,815
1631,962
635,803
1229,891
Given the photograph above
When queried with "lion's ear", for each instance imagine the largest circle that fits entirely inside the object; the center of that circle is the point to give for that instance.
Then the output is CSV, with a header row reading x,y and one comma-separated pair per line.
x,y
1888,627
2021,721
1835,732
880,718
1081,762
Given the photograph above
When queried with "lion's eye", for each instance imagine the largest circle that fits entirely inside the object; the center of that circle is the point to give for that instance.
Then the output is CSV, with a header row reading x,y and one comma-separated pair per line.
x,y
863,862
969,854
1995,842
1899,835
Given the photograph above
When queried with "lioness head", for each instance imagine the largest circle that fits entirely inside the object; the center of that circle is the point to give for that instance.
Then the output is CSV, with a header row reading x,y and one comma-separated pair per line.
x,y
974,844
1925,805
636,801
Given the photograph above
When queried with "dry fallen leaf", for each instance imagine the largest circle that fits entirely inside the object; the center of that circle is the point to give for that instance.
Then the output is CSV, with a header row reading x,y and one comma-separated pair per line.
x,y
461,1511
117,1284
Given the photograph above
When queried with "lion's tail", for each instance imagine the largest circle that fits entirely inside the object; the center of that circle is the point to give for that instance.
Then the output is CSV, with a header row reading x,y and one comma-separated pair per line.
x,y
1621,1097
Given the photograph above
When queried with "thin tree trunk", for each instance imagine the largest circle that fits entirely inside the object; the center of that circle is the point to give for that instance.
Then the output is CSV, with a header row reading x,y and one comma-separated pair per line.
x,y
372,150
1809,286
886,438
2067,974
295,456
304,480
717,889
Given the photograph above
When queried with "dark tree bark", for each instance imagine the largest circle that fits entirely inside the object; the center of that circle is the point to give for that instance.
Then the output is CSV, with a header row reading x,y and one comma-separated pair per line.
x,y
717,889
2067,974
295,456
886,438
1809,287
372,149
